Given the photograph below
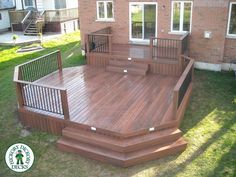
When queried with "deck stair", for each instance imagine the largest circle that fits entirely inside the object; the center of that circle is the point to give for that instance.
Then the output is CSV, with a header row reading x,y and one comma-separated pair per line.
x,y
122,151
127,67
31,30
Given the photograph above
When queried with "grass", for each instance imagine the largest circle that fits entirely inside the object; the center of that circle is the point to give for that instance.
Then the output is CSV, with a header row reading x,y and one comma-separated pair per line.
x,y
209,126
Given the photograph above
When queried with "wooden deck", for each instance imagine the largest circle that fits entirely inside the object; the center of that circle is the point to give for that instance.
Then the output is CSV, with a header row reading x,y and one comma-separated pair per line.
x,y
115,102
113,110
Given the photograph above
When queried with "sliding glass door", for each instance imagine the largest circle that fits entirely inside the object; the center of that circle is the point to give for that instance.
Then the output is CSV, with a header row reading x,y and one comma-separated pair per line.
x,y
143,21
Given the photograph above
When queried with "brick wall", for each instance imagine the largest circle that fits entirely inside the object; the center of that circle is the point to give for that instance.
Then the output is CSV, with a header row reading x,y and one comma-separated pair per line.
x,y
208,15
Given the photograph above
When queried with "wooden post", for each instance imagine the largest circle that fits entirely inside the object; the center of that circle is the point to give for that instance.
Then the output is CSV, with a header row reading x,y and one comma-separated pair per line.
x,y
151,47
65,106
87,43
110,43
19,95
59,61
175,103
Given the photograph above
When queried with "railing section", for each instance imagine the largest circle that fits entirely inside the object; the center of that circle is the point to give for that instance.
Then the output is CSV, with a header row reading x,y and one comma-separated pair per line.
x,y
184,82
168,48
41,97
17,16
99,41
61,15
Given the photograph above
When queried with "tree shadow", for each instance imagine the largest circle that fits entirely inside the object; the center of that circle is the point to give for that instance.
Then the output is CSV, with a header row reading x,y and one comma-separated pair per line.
x,y
227,164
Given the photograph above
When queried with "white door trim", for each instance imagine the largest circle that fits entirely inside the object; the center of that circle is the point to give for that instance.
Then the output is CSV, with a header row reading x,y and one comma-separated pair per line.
x,y
130,21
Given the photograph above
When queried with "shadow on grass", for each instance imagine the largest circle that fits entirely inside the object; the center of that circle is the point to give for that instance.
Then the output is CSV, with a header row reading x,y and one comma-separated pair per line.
x,y
227,164
212,91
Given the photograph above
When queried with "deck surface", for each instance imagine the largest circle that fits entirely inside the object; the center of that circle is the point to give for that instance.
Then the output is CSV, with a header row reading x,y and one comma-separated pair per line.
x,y
115,102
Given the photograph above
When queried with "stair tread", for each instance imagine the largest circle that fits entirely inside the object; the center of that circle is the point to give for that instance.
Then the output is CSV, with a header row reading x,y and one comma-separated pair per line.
x,y
126,63
118,155
72,132
129,70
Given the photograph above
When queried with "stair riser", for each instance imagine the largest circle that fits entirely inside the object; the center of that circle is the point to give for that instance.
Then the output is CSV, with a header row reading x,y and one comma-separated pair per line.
x,y
90,155
154,156
128,64
119,70
123,163
124,147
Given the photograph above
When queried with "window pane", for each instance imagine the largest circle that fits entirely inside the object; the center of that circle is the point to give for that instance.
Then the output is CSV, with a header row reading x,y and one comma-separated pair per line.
x,y
60,4
136,16
187,16
232,25
109,10
149,21
28,2
101,10
176,16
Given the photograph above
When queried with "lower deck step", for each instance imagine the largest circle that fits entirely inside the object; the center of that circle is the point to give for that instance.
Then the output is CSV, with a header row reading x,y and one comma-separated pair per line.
x,y
118,158
122,144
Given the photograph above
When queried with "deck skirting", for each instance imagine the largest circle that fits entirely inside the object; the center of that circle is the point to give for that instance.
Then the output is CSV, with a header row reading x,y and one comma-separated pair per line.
x,y
41,122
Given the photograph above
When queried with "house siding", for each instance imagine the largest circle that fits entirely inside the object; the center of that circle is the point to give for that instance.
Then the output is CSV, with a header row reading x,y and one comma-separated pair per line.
x,y
207,15
5,22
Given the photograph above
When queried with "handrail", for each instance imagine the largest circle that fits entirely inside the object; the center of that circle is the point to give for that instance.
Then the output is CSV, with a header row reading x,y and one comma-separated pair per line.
x,y
183,83
27,15
186,71
40,96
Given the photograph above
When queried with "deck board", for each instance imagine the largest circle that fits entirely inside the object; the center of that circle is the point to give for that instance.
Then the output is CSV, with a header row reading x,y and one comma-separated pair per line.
x,y
115,102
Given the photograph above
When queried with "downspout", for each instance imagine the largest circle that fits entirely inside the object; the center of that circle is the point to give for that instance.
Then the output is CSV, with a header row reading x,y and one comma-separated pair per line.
x,y
36,7
22,4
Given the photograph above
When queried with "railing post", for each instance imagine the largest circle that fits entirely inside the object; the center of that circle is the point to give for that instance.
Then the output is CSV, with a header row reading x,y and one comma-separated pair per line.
x,y
19,95
110,43
65,106
59,61
151,47
87,43
175,103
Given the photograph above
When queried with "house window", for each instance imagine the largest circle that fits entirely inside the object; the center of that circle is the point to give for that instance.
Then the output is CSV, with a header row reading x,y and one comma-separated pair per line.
x,y
232,20
181,16
60,4
29,3
105,10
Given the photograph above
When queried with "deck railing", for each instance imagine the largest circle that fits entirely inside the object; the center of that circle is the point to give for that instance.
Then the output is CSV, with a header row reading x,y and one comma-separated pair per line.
x,y
60,15
17,16
99,41
183,83
38,96
168,48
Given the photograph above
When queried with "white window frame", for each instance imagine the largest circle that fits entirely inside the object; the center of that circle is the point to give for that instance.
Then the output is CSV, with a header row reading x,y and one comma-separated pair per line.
x,y
33,4
181,16
130,21
229,20
105,11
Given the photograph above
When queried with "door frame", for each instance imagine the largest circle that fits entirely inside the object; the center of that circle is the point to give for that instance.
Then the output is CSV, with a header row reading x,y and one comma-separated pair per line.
x,y
130,21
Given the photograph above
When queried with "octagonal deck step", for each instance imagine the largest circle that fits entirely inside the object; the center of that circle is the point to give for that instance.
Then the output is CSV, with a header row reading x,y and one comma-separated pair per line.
x,y
125,66
122,151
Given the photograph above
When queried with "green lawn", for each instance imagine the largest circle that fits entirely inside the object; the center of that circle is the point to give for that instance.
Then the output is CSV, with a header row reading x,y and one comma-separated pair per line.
x,y
209,126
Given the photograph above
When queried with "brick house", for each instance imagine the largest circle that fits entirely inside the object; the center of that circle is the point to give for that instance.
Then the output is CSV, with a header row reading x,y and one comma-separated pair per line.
x,y
211,25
